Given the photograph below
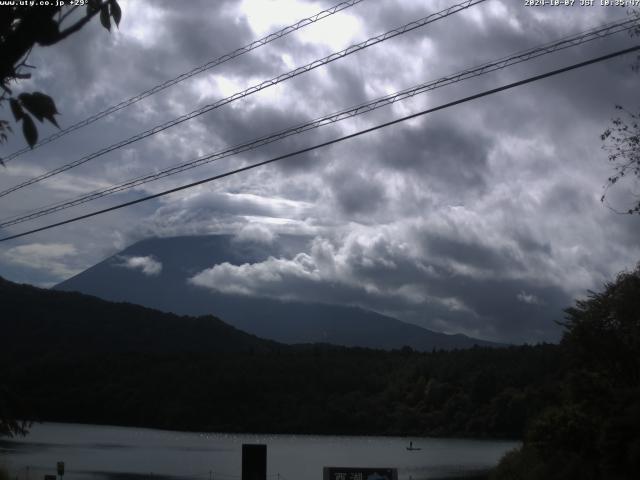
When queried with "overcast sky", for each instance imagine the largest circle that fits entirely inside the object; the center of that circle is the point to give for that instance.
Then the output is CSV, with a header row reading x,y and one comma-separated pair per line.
x,y
482,219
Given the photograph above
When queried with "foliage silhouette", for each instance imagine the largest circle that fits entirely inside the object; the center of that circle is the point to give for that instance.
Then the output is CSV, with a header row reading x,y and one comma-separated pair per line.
x,y
22,27
593,432
622,139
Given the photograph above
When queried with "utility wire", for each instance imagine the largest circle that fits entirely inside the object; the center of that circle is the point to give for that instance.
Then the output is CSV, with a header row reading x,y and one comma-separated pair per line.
x,y
330,142
523,56
183,76
256,88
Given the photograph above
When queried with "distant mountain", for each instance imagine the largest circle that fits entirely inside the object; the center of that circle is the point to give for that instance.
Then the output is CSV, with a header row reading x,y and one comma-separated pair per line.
x,y
167,289
37,320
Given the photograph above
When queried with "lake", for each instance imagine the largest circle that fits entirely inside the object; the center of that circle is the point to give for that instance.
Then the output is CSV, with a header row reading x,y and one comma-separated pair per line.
x,y
93,452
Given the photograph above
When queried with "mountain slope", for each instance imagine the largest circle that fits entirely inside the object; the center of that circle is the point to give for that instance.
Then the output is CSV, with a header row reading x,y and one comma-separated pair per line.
x,y
35,319
289,322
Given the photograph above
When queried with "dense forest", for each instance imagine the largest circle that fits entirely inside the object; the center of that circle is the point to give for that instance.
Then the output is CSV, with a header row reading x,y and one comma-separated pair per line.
x,y
576,405
72,357
311,390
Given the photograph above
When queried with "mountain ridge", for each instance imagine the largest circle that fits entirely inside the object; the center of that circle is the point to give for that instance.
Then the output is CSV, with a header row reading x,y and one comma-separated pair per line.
x,y
288,322
36,318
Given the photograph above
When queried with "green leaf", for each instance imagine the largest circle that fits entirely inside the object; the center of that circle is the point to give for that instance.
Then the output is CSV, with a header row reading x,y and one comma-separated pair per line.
x,y
116,11
16,109
29,130
32,106
40,105
47,32
92,6
104,17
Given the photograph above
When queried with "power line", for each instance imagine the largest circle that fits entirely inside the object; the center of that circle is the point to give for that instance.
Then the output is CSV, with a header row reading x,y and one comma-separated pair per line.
x,y
254,89
523,56
183,76
330,142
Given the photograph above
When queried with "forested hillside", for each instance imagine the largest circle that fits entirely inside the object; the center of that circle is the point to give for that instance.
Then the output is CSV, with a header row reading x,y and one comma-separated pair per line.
x,y
36,320
71,357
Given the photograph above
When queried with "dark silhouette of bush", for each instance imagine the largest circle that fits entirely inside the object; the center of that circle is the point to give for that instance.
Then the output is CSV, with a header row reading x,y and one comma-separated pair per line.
x,y
593,432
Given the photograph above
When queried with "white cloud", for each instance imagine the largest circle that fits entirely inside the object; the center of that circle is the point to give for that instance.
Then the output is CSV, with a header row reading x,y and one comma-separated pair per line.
x,y
269,278
256,233
327,273
528,298
336,32
53,258
147,265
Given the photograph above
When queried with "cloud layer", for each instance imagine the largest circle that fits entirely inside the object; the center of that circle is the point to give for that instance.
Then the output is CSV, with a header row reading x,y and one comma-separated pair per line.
x,y
483,218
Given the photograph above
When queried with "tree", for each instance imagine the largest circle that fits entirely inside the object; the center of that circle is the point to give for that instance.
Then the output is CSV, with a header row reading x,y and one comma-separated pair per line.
x,y
603,332
21,28
622,139
594,430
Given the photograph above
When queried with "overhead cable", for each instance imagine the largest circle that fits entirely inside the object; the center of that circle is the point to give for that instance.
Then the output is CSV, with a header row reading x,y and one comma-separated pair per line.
x,y
254,89
330,142
184,76
523,56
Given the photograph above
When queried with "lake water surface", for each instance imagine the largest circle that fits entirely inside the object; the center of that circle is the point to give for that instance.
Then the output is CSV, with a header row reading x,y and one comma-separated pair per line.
x,y
120,453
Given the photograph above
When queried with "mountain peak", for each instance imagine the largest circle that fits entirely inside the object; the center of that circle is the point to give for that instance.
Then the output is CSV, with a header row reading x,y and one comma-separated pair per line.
x,y
155,273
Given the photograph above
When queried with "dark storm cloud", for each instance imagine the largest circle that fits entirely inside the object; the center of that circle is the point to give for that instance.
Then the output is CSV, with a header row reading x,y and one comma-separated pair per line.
x,y
439,149
347,82
355,193
238,126
471,252
526,241
567,199
499,308
211,34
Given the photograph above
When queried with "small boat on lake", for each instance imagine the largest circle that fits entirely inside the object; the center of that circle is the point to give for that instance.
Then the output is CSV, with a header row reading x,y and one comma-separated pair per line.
x,y
412,448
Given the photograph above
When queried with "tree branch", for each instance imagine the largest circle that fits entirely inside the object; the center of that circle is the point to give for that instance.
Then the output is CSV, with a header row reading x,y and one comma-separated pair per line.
x,y
67,13
78,25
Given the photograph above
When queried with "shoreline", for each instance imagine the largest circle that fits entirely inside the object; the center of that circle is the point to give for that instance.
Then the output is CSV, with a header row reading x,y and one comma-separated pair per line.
x,y
275,433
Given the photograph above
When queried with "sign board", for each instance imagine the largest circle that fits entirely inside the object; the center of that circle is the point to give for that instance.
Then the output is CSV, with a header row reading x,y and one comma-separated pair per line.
x,y
254,462
350,473
61,468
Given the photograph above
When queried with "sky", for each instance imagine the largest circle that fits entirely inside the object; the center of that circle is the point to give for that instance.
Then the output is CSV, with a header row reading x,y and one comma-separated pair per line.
x,y
483,219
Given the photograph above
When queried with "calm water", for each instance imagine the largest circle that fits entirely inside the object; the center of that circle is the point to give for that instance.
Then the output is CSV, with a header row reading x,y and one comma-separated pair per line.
x,y
96,452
